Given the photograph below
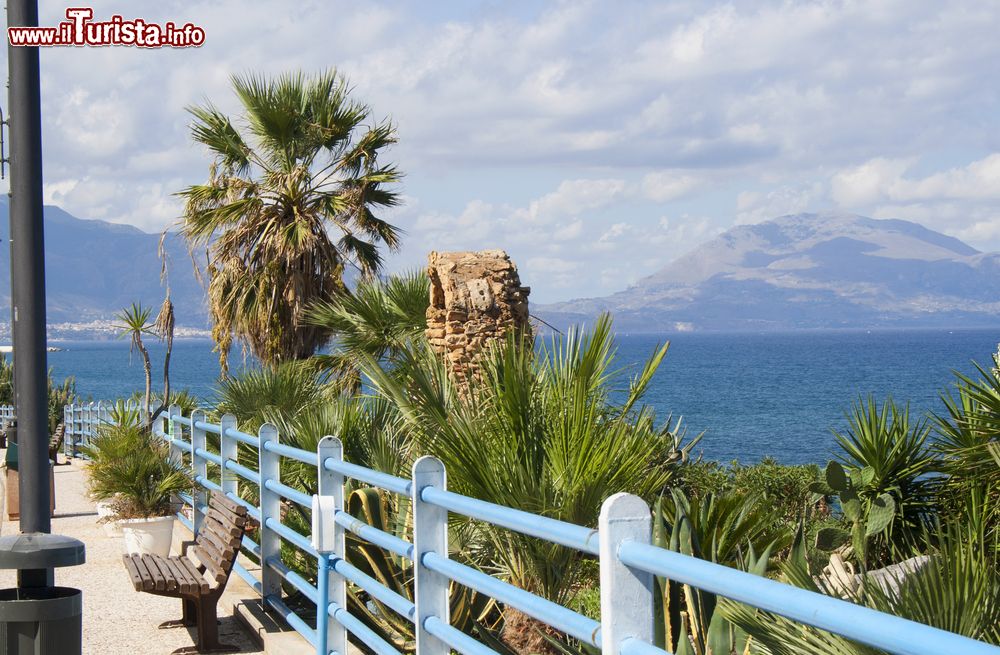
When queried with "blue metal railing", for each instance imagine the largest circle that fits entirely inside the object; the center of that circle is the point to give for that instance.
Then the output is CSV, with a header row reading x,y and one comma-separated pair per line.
x,y
621,541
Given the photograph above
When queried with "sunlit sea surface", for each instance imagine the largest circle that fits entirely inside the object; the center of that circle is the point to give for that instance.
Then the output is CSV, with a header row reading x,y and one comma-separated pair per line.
x,y
753,395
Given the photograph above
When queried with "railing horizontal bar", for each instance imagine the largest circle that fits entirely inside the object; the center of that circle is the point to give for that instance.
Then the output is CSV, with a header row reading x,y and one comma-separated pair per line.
x,y
293,578
177,418
246,473
208,427
385,481
291,536
360,630
455,638
208,484
248,577
292,619
583,628
374,536
212,457
633,646
183,445
285,450
254,512
233,433
251,545
855,622
533,525
285,491
376,589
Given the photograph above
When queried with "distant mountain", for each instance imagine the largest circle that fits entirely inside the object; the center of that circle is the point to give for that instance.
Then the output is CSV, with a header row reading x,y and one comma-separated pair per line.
x,y
94,268
808,271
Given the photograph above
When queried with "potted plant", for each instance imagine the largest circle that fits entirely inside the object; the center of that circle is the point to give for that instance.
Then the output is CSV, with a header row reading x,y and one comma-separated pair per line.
x,y
135,475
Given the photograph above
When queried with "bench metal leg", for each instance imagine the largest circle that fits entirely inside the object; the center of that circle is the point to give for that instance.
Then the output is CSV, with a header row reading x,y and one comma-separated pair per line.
x,y
188,616
208,631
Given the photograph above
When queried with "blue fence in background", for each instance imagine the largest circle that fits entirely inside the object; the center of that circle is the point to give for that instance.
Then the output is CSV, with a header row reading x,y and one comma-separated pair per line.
x,y
621,542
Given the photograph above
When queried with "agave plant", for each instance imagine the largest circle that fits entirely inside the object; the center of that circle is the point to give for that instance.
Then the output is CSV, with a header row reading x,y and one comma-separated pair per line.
x,y
731,529
471,612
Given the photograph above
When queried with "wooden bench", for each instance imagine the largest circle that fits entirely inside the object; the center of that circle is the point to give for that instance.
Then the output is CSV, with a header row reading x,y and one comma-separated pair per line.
x,y
199,582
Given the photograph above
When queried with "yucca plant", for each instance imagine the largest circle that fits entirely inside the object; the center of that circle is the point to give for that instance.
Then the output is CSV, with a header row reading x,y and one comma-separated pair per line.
x,y
968,435
886,454
134,323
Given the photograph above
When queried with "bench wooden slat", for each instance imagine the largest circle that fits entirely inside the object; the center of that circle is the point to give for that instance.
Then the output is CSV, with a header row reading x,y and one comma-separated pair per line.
x,y
222,527
195,574
169,578
133,572
222,544
227,518
147,578
184,584
229,504
211,563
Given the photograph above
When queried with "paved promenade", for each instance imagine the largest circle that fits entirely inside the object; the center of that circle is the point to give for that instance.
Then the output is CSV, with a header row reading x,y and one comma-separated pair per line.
x,y
117,620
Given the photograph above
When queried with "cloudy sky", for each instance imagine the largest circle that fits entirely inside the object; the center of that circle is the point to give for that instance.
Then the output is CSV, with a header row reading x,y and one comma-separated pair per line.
x,y
595,141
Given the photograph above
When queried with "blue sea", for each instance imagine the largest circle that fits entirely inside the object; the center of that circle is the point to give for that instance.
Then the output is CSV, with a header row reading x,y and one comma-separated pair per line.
x,y
752,395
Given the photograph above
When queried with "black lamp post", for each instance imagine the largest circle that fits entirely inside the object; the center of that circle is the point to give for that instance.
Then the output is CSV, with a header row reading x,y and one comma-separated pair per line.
x,y
38,618
28,274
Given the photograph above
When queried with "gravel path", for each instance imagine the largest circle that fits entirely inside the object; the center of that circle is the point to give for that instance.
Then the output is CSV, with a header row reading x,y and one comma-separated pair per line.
x,y
117,620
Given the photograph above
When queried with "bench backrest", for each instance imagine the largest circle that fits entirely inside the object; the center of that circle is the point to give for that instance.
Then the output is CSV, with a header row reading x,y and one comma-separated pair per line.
x,y
218,540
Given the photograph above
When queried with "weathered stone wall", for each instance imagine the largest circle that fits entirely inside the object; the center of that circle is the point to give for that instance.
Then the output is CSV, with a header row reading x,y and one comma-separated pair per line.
x,y
476,297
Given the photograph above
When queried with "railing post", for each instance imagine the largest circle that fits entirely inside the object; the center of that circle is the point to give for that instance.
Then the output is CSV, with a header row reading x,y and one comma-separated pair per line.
x,y
90,423
199,467
626,594
68,449
77,426
270,508
159,426
228,450
175,431
331,483
430,534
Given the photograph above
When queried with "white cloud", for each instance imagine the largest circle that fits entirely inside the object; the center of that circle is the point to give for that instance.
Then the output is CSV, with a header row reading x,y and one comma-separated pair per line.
x,y
539,128
664,186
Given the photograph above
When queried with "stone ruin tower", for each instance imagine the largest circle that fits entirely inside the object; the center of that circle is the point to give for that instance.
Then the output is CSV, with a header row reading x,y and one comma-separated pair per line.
x,y
476,298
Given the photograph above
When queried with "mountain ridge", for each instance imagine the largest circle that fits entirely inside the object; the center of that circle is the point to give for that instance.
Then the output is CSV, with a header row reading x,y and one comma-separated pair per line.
x,y
803,271
94,268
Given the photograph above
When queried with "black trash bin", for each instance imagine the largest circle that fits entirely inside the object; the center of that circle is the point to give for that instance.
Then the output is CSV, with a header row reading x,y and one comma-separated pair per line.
x,y
40,620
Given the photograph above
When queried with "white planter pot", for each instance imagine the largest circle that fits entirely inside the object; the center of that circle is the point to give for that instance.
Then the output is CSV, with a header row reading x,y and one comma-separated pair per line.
x,y
148,536
105,515
103,509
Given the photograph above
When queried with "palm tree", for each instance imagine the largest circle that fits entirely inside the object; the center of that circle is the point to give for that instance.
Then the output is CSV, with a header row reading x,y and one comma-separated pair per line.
x,y
379,317
302,161
539,430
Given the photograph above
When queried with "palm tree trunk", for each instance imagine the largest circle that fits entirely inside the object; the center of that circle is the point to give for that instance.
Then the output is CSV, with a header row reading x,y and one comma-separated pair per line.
x,y
149,374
